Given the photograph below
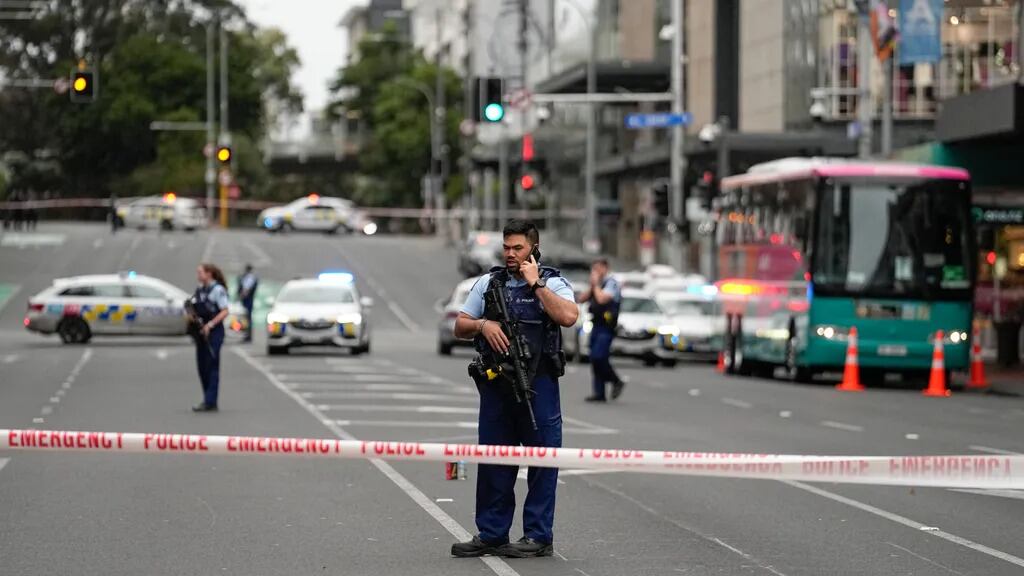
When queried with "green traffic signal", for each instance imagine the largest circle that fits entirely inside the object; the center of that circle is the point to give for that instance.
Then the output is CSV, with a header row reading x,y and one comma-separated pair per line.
x,y
494,112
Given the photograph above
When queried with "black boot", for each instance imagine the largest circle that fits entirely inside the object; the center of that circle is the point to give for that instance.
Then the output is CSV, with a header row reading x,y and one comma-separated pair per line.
x,y
474,548
527,548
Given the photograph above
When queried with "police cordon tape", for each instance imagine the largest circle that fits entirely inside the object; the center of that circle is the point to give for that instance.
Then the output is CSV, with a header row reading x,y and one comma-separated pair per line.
x,y
971,471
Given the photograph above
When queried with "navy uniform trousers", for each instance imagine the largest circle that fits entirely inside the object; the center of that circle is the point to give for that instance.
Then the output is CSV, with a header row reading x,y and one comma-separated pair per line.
x,y
505,423
208,362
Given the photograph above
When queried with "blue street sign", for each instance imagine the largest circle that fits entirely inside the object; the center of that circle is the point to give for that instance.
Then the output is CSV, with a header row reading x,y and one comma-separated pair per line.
x,y
658,120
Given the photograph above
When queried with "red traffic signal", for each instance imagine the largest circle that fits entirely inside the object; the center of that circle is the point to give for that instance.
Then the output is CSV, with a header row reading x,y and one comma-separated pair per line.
x,y
527,182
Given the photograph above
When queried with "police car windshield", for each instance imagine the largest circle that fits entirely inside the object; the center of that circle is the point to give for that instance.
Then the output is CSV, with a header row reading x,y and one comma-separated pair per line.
x,y
314,294
640,306
687,307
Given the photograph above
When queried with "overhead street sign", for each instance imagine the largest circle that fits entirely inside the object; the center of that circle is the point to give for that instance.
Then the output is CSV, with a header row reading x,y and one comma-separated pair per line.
x,y
658,120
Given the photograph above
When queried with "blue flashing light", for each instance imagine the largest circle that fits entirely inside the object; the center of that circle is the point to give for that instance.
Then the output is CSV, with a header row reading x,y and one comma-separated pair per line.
x,y
131,274
268,222
702,289
339,277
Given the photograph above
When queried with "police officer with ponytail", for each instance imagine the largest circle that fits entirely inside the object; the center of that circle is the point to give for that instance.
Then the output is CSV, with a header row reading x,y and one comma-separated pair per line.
x,y
540,301
208,307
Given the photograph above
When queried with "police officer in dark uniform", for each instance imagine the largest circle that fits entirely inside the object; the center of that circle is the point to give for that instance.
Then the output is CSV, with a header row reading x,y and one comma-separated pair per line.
x,y
247,285
541,301
605,298
208,307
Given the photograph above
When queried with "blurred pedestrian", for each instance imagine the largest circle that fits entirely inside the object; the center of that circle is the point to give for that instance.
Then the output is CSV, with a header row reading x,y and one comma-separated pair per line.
x,y
247,285
114,222
31,212
208,307
605,298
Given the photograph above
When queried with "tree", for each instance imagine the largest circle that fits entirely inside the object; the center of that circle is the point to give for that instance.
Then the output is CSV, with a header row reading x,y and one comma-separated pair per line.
x,y
150,55
377,88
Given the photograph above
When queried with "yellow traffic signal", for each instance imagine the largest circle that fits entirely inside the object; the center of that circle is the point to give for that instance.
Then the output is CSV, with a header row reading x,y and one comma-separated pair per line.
x,y
83,86
224,154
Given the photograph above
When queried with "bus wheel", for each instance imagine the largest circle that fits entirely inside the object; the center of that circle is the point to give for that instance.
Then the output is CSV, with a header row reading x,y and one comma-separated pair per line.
x,y
794,371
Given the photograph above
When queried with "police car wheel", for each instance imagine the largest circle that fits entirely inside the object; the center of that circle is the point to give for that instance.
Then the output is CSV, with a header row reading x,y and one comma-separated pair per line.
x,y
670,363
74,330
166,225
276,350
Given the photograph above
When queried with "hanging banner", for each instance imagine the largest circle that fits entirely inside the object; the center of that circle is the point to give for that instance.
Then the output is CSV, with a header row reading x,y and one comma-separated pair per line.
x,y
920,31
883,30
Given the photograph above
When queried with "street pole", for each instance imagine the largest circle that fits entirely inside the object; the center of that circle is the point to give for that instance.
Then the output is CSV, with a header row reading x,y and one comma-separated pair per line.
x,y
225,131
591,241
678,152
211,115
864,112
524,29
437,116
887,109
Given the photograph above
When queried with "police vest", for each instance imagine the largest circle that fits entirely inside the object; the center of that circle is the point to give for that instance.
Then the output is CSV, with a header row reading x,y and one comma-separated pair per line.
x,y
607,314
542,335
205,308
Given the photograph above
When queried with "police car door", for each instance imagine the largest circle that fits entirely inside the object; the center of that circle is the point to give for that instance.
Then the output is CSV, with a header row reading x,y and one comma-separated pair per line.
x,y
104,309
155,312
316,217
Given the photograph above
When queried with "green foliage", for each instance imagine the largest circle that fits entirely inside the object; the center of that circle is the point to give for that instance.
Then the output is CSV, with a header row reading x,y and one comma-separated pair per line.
x,y
151,59
382,87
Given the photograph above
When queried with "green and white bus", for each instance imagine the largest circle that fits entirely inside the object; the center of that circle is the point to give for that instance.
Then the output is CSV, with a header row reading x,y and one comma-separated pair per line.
x,y
810,248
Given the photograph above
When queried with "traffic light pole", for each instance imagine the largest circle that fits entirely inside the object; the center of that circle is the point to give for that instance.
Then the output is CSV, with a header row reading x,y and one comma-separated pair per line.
x,y
678,151
211,134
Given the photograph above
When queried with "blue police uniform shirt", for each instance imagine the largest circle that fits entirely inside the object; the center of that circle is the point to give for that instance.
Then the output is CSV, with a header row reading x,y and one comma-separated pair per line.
x,y
474,305
611,286
219,296
248,281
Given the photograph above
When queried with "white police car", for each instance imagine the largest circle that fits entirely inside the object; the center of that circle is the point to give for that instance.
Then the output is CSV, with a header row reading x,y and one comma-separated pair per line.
x,y
322,311
167,212
644,331
315,213
125,304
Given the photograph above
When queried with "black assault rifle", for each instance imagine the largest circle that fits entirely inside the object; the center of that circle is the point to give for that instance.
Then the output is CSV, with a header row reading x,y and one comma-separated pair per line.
x,y
518,355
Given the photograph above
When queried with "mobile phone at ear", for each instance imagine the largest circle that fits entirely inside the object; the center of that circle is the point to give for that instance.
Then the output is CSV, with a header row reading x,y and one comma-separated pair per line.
x,y
536,253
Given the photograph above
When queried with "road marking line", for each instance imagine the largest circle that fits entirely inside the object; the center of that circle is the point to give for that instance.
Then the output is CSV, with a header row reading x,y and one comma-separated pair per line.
x,y
497,565
376,287
458,425
11,358
683,527
522,475
841,426
993,450
912,436
97,243
208,251
736,403
46,411
123,263
3,462
907,522
373,387
414,409
596,428
407,396
10,296
161,354
1015,494
54,399
262,259
694,392
785,414
37,421
292,377
932,562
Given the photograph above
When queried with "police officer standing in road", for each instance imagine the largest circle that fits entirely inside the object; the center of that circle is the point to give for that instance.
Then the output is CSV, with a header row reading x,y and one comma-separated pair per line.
x,y
605,298
247,285
208,307
541,301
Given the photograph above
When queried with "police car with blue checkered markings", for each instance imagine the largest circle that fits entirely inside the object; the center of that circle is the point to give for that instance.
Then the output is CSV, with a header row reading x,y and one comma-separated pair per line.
x,y
322,311
123,304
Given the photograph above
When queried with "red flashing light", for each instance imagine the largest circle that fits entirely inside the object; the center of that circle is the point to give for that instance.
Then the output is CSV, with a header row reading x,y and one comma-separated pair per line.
x,y
528,152
991,258
527,182
313,198
708,177
26,321
776,239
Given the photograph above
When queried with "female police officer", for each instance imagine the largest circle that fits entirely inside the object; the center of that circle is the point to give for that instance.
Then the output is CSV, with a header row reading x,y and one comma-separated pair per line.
x,y
541,300
209,306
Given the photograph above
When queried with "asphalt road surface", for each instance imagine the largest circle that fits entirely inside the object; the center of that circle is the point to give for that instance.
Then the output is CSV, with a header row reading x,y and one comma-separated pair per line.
x,y
63,513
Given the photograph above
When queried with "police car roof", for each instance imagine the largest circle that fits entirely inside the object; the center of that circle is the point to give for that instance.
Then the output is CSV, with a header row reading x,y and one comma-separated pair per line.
x,y
122,276
639,294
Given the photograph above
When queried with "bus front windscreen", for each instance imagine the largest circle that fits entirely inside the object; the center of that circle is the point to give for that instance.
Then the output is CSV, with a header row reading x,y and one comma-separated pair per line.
x,y
897,240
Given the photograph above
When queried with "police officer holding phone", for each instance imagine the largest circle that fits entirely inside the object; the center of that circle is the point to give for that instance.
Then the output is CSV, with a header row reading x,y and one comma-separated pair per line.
x,y
541,301
605,297
208,307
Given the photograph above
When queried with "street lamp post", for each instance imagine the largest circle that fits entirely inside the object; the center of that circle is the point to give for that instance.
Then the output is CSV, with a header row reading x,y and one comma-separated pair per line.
x,y
435,135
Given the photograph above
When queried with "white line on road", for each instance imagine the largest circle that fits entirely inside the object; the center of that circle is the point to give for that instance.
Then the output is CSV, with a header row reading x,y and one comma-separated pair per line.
x,y
407,396
370,387
928,560
161,354
1015,494
289,377
458,425
123,263
262,259
97,243
736,403
907,522
11,358
392,305
413,409
403,317
497,565
208,251
785,414
841,426
694,392
10,297
3,462
993,450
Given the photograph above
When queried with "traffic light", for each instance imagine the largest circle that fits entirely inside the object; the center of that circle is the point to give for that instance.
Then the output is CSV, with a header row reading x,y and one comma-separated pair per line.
x,y
83,86
708,188
661,198
224,154
527,182
488,98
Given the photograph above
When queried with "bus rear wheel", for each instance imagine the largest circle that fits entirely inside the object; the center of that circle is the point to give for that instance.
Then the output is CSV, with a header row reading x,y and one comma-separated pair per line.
x,y
794,371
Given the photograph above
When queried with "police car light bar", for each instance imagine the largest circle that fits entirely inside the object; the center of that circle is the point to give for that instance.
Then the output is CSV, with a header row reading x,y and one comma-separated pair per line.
x,y
339,277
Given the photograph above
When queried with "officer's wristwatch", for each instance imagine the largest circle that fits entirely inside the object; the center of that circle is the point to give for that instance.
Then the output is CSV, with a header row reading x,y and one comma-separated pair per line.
x,y
540,283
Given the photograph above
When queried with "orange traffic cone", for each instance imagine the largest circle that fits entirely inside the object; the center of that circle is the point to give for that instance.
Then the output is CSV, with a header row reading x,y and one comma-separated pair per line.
x,y
851,371
937,379
977,365
720,367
